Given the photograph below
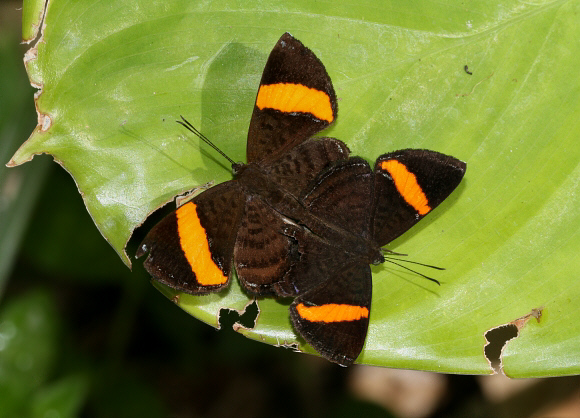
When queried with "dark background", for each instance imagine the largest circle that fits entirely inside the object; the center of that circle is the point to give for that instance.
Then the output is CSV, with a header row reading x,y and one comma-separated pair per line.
x,y
81,335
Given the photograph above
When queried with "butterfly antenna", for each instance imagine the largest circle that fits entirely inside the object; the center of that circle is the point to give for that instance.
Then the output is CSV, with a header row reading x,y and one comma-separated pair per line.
x,y
414,271
419,264
386,250
185,123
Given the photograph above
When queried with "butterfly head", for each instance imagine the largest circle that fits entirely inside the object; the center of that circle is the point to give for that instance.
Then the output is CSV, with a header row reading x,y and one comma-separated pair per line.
x,y
377,259
237,168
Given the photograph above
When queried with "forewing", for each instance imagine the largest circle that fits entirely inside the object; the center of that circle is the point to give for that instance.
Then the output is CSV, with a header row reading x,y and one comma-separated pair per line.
x,y
191,249
333,317
295,100
408,185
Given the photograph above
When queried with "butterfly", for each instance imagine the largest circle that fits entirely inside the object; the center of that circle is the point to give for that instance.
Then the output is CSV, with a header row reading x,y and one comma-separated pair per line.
x,y
302,218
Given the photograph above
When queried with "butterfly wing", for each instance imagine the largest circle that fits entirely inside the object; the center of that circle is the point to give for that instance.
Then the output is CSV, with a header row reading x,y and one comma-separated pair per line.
x,y
408,184
263,253
296,169
334,316
191,249
341,196
295,100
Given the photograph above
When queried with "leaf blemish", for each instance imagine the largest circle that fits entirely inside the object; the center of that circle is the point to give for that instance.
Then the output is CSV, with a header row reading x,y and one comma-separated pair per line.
x,y
44,121
291,346
498,337
244,319
473,88
190,194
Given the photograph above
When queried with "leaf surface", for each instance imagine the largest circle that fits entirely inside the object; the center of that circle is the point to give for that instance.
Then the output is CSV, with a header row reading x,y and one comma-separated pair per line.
x,y
493,83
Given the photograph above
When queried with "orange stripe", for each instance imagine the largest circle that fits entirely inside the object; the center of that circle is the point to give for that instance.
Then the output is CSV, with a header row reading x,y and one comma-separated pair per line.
x,y
289,98
407,186
193,240
332,312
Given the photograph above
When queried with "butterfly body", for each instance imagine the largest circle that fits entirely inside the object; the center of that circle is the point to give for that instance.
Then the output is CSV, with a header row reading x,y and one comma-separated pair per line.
x,y
302,218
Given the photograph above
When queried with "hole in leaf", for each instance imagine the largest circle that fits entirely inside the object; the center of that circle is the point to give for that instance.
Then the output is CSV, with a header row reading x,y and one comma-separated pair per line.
x,y
498,337
230,318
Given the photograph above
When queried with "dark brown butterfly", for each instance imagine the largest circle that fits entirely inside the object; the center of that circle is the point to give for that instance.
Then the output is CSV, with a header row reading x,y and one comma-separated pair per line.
x,y
302,218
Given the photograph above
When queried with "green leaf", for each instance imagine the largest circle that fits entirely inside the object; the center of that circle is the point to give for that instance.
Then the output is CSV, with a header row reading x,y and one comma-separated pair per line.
x,y
114,80
32,13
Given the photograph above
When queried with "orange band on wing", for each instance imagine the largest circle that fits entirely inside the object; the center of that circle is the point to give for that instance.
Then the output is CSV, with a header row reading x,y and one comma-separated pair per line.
x,y
407,186
289,98
193,240
332,312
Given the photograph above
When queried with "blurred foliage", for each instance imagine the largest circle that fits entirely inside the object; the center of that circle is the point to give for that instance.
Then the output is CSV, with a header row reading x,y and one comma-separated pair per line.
x,y
18,188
